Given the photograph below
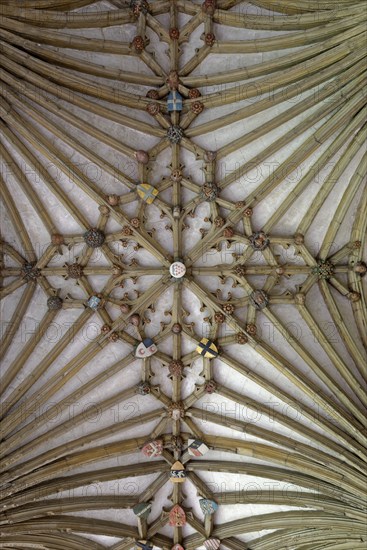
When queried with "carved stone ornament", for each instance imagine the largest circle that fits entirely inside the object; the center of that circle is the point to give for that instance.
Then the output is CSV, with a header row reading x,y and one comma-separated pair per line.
x,y
353,296
176,368
251,329
30,272
209,191
139,6
259,299
324,270
210,386
197,107
176,328
210,156
113,200
228,232
94,238
219,222
153,109
360,268
300,299
152,94
209,6
177,270
176,410
143,388
140,155
173,80
176,443
125,308
228,308
138,44
219,317
240,270
194,93
174,33
113,337
176,175
75,271
175,134
259,240
135,319
54,303
57,239
209,39
299,238
241,338
127,231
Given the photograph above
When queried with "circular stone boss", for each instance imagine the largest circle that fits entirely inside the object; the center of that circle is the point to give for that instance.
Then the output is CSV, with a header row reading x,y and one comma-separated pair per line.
x,y
177,270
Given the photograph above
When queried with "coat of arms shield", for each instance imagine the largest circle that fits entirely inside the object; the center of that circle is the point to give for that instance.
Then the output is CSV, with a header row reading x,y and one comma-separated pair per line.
x,y
207,348
208,506
197,447
144,545
174,101
94,302
177,517
178,473
212,544
147,192
142,509
146,348
153,448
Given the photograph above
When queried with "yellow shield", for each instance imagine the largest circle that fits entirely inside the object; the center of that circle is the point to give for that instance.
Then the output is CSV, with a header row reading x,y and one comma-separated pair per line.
x,y
207,348
147,192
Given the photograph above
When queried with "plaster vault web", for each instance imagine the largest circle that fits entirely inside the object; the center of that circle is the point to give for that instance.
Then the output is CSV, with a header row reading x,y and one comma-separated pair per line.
x,y
228,136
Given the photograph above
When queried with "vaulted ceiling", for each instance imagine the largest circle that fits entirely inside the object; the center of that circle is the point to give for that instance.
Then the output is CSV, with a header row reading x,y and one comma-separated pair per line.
x,y
227,136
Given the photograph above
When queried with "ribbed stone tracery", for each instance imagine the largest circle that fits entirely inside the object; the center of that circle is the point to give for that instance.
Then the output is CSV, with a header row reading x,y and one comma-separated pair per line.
x,y
144,159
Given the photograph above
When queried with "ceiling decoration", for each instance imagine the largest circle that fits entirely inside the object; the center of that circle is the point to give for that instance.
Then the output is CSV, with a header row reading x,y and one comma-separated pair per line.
x,y
182,274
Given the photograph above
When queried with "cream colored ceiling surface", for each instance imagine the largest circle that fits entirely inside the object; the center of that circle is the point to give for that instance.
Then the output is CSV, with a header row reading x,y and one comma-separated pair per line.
x,y
254,181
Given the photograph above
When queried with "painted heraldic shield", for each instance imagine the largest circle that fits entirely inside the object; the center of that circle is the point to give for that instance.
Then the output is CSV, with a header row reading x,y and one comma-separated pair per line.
x,y
153,448
177,517
174,101
178,473
142,509
212,544
197,447
208,506
147,192
144,545
146,348
207,348
94,302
